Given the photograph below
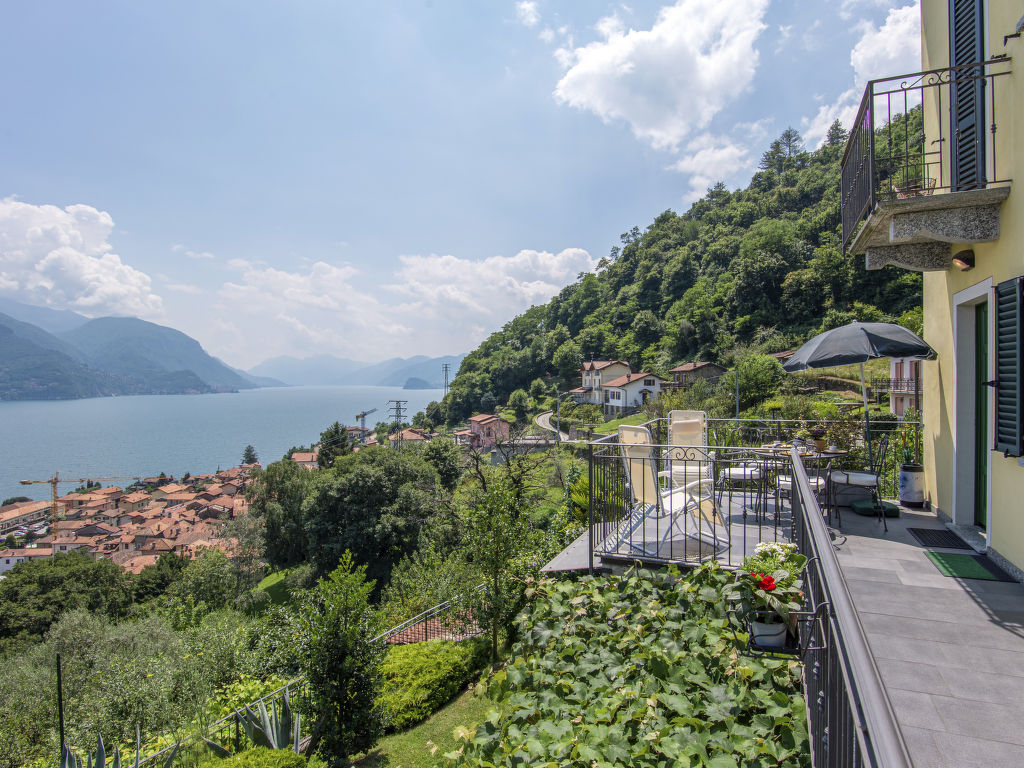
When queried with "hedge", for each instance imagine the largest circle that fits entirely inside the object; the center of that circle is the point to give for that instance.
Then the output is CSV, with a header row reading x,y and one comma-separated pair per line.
x,y
420,678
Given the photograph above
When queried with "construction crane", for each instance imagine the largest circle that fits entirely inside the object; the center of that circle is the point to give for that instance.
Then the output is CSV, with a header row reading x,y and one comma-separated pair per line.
x,y
55,480
361,418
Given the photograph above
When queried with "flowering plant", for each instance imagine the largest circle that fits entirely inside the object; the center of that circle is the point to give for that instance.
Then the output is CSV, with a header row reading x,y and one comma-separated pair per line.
x,y
769,582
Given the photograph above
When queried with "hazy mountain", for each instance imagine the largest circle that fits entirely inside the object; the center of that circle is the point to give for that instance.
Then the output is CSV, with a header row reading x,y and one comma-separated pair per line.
x,y
327,369
52,320
426,369
126,345
33,366
318,369
40,337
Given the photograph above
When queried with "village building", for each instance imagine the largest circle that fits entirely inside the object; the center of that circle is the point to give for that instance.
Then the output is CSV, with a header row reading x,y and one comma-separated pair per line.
x,y
629,392
486,429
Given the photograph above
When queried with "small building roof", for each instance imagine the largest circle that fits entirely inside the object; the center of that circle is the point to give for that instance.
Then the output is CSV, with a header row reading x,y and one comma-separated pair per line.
x,y
597,365
630,378
693,366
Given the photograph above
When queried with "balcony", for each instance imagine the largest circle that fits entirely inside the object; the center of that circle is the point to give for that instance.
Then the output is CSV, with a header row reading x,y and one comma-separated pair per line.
x,y
896,386
920,170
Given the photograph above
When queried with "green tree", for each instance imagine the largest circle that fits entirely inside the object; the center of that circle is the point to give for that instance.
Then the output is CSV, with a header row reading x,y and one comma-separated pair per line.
x,y
759,379
496,537
155,579
211,580
342,663
10,542
445,457
334,442
34,594
538,389
14,500
568,360
519,402
249,455
275,496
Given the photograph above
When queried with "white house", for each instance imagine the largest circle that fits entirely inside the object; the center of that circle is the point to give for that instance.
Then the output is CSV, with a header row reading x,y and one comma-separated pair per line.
x,y
629,391
11,557
593,375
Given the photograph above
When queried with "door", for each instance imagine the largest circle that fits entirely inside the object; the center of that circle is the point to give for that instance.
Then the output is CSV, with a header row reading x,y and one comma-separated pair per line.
x,y
981,444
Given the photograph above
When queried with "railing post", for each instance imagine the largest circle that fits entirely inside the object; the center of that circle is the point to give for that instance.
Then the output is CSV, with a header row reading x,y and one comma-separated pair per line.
x,y
872,183
590,508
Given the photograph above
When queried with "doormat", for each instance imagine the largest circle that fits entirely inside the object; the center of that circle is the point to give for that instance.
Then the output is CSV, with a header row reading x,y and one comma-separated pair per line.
x,y
942,538
967,566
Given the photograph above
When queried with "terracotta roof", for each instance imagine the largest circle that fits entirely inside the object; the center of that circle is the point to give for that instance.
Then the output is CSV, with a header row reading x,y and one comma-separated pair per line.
x,y
136,563
483,418
26,552
300,458
597,365
172,488
629,378
686,367
408,434
580,390
784,355
135,497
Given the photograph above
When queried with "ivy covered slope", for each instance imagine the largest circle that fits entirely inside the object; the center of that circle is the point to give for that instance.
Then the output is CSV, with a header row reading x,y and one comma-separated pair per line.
x,y
640,670
761,265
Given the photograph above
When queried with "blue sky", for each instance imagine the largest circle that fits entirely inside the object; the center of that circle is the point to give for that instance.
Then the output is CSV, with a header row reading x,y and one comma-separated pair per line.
x,y
387,178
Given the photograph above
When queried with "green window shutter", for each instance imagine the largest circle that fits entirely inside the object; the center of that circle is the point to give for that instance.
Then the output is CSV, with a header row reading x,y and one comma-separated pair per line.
x,y
967,108
1009,432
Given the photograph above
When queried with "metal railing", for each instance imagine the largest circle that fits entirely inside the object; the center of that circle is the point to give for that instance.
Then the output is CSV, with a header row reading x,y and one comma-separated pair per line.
x,y
898,386
846,434
850,718
428,625
894,151
684,504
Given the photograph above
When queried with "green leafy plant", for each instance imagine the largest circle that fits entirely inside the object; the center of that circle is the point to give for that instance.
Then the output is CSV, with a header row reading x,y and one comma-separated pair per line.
x,y
99,760
275,730
262,757
644,670
768,582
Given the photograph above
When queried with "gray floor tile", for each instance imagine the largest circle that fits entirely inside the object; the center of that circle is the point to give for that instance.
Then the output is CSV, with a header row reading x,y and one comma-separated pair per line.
x,y
982,720
968,752
915,709
967,683
923,750
912,676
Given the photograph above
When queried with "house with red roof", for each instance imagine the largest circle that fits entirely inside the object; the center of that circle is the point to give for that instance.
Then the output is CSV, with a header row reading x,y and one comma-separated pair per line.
x,y
629,391
593,375
687,373
486,429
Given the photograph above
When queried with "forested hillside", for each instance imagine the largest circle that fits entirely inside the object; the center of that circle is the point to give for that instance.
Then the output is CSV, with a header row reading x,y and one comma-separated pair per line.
x,y
760,267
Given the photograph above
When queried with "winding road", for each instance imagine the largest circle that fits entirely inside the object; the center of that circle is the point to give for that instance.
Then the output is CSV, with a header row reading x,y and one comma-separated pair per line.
x,y
543,420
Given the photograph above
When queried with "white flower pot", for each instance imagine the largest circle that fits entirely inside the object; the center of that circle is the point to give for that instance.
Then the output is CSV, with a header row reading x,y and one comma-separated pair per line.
x,y
912,485
768,635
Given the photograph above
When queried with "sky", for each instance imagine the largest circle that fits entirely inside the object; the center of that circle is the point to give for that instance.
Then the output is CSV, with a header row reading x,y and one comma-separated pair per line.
x,y
385,179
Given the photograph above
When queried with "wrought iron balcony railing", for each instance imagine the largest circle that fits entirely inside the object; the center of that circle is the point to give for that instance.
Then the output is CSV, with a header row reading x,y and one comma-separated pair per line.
x,y
896,386
922,134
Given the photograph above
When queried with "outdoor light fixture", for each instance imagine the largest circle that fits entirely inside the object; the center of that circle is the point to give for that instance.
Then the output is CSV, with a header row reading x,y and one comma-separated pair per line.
x,y
964,260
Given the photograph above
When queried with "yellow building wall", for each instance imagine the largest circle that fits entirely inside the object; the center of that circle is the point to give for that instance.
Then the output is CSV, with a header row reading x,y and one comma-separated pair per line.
x,y
998,261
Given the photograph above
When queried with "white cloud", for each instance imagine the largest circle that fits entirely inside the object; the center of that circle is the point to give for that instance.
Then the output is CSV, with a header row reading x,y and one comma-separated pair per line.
x,y
894,48
188,288
434,304
667,81
527,13
709,159
61,258
547,34
179,248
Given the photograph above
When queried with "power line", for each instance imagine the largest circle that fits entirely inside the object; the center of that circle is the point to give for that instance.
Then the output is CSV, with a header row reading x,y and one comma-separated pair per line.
x,y
396,409
446,368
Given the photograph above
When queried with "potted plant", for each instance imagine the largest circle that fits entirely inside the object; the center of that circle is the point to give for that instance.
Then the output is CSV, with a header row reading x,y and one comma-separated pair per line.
x,y
818,435
911,473
768,592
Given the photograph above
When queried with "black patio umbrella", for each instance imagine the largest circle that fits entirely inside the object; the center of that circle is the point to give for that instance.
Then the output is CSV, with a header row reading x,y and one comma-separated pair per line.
x,y
857,343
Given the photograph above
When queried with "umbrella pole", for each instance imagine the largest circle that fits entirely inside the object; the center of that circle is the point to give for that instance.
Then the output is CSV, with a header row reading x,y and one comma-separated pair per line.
x,y
867,421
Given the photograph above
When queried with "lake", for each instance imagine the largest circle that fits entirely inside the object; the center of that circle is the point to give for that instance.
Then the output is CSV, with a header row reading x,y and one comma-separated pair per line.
x,y
149,434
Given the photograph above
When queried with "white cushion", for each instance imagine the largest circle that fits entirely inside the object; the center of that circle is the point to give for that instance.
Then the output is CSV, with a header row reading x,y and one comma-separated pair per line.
x,y
864,479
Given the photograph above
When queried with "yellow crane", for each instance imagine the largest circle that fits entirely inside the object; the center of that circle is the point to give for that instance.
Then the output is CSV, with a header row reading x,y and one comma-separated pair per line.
x,y
55,480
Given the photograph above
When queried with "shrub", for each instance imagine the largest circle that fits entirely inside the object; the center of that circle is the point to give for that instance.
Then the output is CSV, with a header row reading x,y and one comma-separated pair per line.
x,y
420,678
342,663
261,757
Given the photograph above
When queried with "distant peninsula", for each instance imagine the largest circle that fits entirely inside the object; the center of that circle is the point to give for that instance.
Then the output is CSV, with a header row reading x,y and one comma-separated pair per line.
x,y
414,382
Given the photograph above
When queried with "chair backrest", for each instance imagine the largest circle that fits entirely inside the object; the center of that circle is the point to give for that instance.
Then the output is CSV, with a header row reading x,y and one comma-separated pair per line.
x,y
678,415
878,455
687,432
637,449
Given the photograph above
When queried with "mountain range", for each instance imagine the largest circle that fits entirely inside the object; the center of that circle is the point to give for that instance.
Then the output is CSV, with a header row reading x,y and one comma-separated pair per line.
x,y
418,372
48,354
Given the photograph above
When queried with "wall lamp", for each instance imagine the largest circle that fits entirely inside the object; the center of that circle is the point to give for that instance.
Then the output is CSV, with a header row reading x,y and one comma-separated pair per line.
x,y
964,260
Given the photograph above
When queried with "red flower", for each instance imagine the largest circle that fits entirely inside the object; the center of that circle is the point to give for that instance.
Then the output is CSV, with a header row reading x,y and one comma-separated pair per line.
x,y
767,583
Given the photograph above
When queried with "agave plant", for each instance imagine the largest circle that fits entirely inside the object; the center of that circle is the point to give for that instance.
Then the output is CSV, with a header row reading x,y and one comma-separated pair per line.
x,y
273,730
70,760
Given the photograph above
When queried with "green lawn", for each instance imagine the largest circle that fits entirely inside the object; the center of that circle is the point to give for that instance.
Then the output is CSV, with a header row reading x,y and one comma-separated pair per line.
x,y
611,426
424,745
274,586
